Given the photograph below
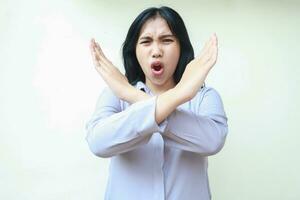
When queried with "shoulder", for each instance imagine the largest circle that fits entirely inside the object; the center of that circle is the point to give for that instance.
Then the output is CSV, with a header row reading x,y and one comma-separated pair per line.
x,y
207,92
211,103
207,98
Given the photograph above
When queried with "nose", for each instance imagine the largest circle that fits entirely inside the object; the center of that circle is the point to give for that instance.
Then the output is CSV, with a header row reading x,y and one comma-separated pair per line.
x,y
156,51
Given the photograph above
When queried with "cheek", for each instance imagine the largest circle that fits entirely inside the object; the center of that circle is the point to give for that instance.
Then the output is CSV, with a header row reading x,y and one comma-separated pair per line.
x,y
174,54
140,55
141,58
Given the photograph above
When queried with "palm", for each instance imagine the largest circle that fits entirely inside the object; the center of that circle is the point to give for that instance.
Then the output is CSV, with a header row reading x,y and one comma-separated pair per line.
x,y
110,74
197,70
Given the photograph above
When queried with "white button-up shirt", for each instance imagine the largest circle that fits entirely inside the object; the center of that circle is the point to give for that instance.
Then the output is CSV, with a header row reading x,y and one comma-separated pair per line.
x,y
151,161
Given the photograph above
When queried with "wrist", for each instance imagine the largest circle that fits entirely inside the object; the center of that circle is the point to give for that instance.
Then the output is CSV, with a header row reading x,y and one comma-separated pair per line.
x,y
182,94
134,95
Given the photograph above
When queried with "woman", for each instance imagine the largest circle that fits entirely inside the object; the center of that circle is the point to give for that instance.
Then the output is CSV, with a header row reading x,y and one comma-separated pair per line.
x,y
158,123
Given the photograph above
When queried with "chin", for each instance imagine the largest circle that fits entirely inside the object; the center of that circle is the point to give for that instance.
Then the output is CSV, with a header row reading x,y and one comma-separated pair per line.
x,y
158,81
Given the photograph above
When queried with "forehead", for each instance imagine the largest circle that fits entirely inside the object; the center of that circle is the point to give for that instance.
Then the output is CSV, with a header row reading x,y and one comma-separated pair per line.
x,y
157,25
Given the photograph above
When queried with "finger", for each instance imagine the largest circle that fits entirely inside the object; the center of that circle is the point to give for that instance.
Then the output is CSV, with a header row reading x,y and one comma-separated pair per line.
x,y
204,49
210,57
206,46
98,50
102,56
216,38
207,55
213,45
92,44
95,58
104,62
216,48
100,53
101,60
213,57
96,62
97,53
92,49
207,52
103,73
99,65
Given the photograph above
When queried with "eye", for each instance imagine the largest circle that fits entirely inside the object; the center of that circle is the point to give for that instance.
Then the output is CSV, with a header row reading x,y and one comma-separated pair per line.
x,y
144,42
167,40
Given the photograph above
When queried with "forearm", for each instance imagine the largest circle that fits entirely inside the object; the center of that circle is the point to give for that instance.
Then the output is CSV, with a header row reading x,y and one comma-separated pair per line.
x,y
134,95
112,131
201,127
166,102
196,133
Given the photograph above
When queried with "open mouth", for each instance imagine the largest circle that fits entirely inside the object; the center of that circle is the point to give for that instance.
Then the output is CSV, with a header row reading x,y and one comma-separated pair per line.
x,y
157,68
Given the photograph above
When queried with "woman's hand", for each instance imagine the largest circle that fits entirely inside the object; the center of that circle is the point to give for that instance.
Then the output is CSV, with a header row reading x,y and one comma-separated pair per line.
x,y
117,82
197,70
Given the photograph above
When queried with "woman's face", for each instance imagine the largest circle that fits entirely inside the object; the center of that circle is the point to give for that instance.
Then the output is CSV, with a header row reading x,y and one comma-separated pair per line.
x,y
158,51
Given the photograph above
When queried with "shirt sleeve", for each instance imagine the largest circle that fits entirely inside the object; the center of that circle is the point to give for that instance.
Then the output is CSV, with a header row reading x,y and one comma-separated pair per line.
x,y
201,131
111,130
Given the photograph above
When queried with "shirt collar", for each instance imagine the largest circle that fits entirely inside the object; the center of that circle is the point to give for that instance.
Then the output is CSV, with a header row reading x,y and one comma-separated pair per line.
x,y
141,86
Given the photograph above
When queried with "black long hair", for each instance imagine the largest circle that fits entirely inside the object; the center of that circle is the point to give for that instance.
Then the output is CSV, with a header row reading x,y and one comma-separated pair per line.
x,y
133,70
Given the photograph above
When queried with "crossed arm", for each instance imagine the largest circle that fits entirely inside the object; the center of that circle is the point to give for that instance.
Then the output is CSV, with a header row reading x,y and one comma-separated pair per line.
x,y
114,135
192,79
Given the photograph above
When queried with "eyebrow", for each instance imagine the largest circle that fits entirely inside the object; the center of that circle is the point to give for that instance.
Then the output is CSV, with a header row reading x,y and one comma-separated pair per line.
x,y
160,37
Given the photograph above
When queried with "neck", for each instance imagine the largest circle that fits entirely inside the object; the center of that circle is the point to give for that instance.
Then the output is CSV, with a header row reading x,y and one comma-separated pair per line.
x,y
159,89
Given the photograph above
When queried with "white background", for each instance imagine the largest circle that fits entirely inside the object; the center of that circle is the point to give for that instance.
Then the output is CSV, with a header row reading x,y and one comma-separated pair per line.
x,y
49,87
